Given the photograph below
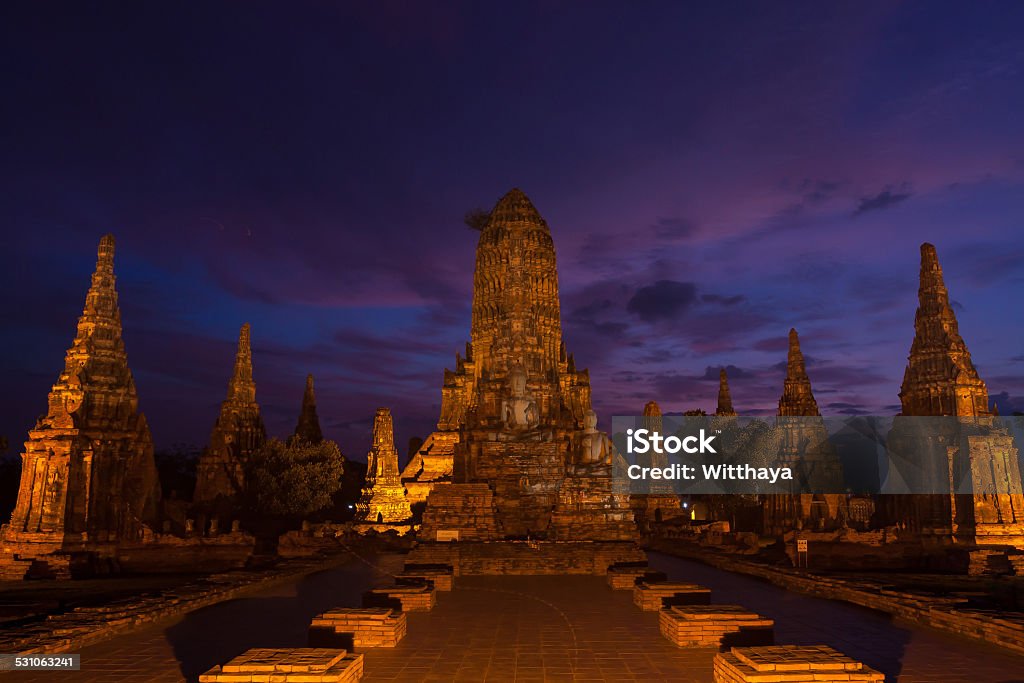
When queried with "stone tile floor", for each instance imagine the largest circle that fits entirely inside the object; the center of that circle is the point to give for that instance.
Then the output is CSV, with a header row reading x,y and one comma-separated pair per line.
x,y
532,629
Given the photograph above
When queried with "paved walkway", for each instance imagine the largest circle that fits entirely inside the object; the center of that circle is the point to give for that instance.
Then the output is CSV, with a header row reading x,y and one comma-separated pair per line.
x,y
531,629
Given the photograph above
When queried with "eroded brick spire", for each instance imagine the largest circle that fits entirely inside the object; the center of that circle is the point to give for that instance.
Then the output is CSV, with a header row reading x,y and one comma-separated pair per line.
x,y
797,397
724,397
308,428
940,378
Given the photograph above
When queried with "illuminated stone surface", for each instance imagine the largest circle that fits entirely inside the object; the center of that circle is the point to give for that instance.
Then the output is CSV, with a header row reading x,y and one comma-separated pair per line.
x,y
237,433
88,478
383,500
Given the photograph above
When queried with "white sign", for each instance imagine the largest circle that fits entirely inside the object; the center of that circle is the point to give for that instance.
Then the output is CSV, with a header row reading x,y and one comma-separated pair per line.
x,y
447,534
801,545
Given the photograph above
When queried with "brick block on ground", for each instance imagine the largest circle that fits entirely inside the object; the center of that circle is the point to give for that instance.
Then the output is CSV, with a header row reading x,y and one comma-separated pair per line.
x,y
414,598
721,626
651,597
440,579
288,665
625,577
791,664
361,627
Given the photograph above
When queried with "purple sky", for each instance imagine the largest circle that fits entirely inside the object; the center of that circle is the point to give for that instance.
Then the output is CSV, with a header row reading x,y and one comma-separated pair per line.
x,y
712,176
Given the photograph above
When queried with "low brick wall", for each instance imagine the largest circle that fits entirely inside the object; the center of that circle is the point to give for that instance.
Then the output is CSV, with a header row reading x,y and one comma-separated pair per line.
x,y
651,597
525,557
288,665
367,626
791,664
715,626
625,578
998,628
71,631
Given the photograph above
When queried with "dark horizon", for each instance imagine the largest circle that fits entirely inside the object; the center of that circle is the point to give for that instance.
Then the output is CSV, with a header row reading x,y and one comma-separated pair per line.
x,y
711,178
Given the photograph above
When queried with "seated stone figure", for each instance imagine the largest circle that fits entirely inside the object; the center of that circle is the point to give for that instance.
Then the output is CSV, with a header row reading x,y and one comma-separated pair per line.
x,y
519,410
596,448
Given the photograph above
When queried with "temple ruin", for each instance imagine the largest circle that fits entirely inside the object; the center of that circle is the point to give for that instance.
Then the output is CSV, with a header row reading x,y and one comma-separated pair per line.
x,y
515,413
308,427
88,478
238,432
384,504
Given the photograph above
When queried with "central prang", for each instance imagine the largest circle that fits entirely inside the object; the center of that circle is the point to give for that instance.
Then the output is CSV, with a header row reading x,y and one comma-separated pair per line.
x,y
517,454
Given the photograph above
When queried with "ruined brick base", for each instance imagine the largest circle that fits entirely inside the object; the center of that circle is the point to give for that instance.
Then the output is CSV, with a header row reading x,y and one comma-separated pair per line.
x,y
439,579
715,626
625,577
791,664
366,627
288,665
527,557
651,597
415,598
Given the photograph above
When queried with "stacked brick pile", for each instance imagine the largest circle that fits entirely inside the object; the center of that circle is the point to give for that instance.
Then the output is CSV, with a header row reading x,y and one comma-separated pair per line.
x,y
651,597
416,598
288,665
791,664
714,626
368,626
441,579
623,578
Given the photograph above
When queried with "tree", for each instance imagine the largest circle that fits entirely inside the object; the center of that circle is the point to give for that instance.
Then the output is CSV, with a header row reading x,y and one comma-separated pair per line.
x,y
293,480
476,219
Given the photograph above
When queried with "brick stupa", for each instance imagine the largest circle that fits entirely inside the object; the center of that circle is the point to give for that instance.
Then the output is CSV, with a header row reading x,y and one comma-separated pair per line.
x,y
659,502
516,416
383,504
724,408
88,478
308,427
805,448
238,432
941,381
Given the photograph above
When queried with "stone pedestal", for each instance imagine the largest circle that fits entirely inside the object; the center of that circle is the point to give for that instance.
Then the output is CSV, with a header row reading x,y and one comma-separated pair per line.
x,y
791,664
625,578
367,626
715,626
288,665
421,598
440,579
651,597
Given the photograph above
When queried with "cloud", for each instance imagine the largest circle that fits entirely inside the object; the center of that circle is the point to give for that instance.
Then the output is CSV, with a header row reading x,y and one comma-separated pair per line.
x,y
883,200
665,299
673,228
723,300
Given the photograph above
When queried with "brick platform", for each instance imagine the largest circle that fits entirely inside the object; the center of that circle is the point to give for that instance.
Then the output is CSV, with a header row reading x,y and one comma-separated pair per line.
x,y
367,626
504,558
416,598
651,597
440,579
791,664
288,665
715,626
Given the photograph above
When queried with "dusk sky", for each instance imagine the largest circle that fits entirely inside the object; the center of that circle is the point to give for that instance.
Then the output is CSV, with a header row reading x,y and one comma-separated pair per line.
x,y
713,174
